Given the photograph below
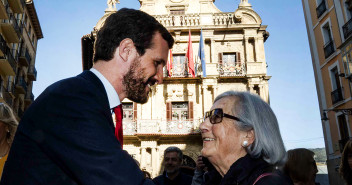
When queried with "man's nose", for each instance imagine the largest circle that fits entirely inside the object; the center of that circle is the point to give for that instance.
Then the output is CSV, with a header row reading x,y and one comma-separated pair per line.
x,y
159,75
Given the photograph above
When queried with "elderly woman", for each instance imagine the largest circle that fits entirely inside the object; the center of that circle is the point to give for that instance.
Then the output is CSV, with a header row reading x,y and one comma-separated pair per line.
x,y
8,126
241,139
301,166
346,163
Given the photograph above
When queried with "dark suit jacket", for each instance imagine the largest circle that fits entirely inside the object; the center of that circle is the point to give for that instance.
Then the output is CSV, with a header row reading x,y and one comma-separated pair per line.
x,y
67,137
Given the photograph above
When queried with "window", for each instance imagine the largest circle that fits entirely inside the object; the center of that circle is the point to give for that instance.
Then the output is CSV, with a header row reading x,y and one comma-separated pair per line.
x,y
179,65
328,40
347,60
25,20
336,94
127,111
230,64
341,119
321,7
29,30
179,110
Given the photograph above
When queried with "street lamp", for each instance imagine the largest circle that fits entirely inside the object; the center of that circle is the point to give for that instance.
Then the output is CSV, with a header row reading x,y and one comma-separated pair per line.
x,y
344,111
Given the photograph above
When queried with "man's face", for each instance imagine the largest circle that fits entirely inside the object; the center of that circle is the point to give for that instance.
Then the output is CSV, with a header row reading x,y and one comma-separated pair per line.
x,y
146,70
172,162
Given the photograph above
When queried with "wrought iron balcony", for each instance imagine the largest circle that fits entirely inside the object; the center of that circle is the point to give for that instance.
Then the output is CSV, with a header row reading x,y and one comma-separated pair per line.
x,y
25,58
2,46
321,8
8,63
161,127
32,73
29,98
343,142
232,69
336,95
21,86
347,29
11,88
329,48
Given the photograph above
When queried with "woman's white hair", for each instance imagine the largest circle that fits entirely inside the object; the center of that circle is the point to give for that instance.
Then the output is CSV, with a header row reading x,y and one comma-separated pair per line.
x,y
257,115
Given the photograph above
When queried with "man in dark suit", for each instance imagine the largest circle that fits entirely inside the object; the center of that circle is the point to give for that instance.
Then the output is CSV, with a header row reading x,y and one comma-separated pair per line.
x,y
67,135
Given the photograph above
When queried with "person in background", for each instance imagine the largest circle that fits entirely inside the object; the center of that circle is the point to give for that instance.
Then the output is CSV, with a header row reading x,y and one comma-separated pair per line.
x,y
346,163
8,126
67,135
242,140
172,175
301,166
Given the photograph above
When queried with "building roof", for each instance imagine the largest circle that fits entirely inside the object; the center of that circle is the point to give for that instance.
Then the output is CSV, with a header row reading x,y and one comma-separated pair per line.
x,y
34,18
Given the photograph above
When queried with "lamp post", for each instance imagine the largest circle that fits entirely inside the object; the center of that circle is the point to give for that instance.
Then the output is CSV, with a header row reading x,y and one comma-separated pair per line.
x,y
344,111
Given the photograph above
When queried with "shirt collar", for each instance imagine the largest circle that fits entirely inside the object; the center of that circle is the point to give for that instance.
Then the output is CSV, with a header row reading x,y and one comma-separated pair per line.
x,y
113,97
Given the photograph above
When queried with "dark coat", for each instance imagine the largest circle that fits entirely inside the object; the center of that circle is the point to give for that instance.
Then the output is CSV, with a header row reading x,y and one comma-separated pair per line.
x,y
181,179
245,171
67,137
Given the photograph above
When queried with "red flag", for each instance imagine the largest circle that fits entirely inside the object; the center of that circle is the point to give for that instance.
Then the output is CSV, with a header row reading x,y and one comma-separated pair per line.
x,y
189,56
169,63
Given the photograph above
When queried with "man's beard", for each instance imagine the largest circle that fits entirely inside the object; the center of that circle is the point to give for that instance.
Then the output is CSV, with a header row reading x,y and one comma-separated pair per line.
x,y
134,85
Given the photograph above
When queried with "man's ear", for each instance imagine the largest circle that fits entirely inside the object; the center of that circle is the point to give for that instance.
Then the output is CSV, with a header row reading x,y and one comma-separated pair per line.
x,y
125,49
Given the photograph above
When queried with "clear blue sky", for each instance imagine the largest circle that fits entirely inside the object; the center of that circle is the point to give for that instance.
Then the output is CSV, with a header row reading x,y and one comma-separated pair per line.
x,y
292,89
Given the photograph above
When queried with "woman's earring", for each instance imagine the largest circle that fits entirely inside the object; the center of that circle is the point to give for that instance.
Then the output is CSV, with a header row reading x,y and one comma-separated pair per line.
x,y
245,143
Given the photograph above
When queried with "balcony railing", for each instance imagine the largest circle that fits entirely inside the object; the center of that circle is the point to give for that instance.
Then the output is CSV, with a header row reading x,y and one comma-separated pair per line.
x,y
14,22
321,8
11,87
232,69
329,48
10,58
336,95
2,45
25,57
194,19
32,73
343,142
21,86
161,127
347,29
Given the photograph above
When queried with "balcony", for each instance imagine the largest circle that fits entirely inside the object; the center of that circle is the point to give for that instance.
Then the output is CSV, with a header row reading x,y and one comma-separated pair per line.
x,y
3,7
329,48
24,58
194,19
2,93
321,8
8,64
182,127
232,69
32,73
347,29
2,46
21,86
336,95
11,30
29,98
17,6
343,142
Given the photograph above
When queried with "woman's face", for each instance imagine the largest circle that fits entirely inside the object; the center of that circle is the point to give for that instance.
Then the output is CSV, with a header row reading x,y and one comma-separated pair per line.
x,y
223,139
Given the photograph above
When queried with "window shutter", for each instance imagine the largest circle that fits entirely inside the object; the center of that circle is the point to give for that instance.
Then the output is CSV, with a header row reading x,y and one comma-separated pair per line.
x,y
220,58
168,111
190,110
134,111
238,57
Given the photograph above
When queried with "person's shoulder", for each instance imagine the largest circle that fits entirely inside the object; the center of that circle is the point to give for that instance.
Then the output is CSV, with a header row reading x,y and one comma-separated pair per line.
x,y
273,179
158,179
187,179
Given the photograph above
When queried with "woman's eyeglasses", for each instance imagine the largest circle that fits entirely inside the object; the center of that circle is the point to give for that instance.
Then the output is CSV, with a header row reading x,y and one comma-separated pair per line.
x,y
215,116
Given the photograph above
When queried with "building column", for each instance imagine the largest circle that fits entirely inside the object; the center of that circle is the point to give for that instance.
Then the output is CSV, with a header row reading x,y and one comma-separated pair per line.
x,y
256,54
212,52
143,156
246,49
154,162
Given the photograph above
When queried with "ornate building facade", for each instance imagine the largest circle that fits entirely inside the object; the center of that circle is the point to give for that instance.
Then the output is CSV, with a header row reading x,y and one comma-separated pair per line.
x,y
234,60
19,32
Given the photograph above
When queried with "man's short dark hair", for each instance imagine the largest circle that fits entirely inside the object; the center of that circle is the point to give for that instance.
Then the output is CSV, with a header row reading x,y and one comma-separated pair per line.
x,y
174,149
139,26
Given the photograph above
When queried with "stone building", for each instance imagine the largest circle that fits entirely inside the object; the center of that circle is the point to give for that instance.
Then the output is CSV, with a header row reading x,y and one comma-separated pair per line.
x,y
329,28
235,60
19,32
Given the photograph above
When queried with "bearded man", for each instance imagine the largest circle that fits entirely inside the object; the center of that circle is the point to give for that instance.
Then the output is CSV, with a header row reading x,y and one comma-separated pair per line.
x,y
172,175
67,135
